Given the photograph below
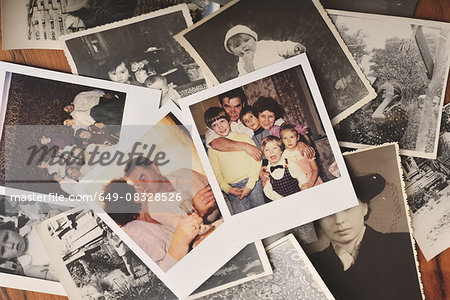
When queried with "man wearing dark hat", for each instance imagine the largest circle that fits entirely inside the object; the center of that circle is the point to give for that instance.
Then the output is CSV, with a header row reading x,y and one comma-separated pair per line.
x,y
360,262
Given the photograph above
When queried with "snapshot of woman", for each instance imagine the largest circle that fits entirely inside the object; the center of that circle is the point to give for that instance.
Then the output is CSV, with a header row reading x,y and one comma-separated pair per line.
x,y
165,237
360,262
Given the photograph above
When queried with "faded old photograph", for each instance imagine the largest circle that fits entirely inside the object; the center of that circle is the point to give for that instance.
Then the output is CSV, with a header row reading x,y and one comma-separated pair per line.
x,y
21,251
367,251
140,51
246,266
428,191
92,262
407,63
293,277
239,40
39,24
404,8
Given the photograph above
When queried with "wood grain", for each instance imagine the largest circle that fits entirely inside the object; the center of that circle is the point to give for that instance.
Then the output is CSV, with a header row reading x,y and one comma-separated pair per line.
x,y
435,273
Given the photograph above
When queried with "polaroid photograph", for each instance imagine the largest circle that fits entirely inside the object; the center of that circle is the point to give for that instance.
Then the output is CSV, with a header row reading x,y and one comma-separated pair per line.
x,y
39,24
285,162
92,262
139,51
238,39
427,188
293,277
367,251
23,261
401,8
46,115
410,84
159,201
247,265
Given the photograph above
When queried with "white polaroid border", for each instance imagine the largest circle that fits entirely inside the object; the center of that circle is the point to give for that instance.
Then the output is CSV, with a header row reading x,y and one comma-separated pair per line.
x,y
403,198
212,78
290,238
31,284
409,21
267,271
293,210
139,101
201,262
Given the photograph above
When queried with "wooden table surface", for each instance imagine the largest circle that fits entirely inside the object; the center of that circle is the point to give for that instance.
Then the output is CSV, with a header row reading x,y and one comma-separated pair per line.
x,y
435,273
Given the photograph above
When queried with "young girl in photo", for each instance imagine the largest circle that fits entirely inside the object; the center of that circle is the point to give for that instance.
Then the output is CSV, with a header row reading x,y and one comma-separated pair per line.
x,y
290,136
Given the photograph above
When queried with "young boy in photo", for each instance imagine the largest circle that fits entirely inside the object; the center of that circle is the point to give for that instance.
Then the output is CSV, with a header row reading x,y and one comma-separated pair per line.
x,y
119,71
243,42
249,119
236,171
159,82
285,177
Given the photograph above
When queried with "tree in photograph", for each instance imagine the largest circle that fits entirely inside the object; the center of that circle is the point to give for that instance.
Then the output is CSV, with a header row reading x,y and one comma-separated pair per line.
x,y
355,42
400,61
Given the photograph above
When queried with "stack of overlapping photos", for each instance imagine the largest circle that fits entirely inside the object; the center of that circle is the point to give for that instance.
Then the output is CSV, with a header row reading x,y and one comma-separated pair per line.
x,y
201,154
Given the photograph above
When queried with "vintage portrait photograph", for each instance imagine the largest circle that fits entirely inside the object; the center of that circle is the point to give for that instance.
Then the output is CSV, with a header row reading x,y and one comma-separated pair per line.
x,y
428,191
23,261
407,62
39,24
238,40
293,277
92,262
47,115
367,251
264,139
139,51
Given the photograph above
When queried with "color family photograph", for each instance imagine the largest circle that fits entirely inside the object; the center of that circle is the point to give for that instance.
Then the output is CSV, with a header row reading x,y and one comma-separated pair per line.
x,y
50,119
264,139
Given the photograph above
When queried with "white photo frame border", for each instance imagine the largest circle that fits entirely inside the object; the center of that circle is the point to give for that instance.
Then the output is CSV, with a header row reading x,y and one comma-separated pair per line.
x,y
289,206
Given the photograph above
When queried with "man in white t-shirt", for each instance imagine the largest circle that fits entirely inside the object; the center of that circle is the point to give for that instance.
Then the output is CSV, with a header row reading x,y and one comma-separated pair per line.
x,y
232,102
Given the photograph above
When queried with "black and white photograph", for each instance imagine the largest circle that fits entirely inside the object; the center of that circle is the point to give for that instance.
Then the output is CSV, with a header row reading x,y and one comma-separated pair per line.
x,y
241,38
407,62
401,8
293,277
39,24
23,262
140,51
60,113
247,265
428,191
367,251
265,140
92,262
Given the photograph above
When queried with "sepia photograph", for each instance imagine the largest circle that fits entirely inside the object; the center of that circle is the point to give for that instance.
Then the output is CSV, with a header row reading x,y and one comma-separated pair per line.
x,y
39,24
238,39
402,8
140,51
367,251
92,262
46,115
407,62
428,191
293,277
265,139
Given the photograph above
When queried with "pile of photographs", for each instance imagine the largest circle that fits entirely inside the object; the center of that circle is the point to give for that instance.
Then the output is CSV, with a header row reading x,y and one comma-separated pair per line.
x,y
198,154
